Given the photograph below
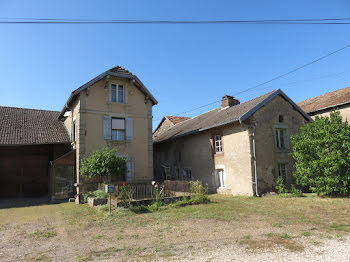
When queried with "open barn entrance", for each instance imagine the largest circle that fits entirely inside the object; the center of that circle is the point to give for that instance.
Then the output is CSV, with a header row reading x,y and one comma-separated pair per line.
x,y
24,170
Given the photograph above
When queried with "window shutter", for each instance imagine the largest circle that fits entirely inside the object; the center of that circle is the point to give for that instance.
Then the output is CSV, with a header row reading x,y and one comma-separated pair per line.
x,y
129,129
130,167
107,129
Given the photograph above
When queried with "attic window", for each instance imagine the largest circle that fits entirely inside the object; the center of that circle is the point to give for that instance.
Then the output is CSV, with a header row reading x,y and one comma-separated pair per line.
x,y
117,93
280,118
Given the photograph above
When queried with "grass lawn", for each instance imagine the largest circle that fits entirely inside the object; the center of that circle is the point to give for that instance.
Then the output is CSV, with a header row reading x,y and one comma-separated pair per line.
x,y
70,232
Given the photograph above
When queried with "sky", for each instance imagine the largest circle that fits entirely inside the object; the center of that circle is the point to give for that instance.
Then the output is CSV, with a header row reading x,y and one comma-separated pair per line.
x,y
183,66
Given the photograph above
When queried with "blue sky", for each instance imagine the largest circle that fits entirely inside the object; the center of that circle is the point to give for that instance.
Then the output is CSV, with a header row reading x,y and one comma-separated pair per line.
x,y
184,66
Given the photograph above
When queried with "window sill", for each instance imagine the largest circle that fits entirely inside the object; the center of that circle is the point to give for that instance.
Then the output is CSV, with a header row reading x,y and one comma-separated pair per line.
x,y
218,154
116,103
283,150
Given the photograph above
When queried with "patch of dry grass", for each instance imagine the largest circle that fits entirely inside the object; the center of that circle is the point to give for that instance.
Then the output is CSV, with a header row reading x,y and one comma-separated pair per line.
x,y
255,223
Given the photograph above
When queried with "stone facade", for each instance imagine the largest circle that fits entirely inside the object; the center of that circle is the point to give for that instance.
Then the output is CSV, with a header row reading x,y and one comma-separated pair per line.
x,y
196,152
165,125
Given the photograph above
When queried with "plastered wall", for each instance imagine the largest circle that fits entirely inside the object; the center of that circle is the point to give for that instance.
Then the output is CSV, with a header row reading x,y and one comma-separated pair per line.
x,y
94,103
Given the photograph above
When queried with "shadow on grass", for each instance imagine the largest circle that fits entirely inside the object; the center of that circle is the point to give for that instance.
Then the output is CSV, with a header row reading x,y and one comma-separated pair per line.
x,y
27,202
140,209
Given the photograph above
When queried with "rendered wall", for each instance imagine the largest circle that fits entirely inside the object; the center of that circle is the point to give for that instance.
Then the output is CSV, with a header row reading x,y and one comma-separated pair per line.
x,y
93,104
197,153
344,112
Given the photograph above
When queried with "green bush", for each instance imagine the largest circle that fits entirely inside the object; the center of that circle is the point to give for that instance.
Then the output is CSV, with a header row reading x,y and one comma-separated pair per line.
x,y
96,194
296,192
280,186
104,163
284,192
322,156
197,188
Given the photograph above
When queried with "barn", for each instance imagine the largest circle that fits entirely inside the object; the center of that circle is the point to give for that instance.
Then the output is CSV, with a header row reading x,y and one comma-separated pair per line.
x,y
30,141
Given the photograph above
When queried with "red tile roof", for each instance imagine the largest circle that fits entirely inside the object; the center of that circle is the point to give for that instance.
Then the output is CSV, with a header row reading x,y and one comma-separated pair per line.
x,y
331,99
20,126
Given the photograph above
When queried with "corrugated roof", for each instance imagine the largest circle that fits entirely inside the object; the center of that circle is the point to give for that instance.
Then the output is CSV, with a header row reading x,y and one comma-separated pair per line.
x,y
218,117
331,99
21,126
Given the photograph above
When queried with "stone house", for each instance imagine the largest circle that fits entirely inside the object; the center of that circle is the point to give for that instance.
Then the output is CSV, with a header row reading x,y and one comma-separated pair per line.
x,y
167,122
113,109
324,104
238,148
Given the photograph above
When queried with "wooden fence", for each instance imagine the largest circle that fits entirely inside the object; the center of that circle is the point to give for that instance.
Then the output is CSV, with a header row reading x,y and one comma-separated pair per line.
x,y
145,190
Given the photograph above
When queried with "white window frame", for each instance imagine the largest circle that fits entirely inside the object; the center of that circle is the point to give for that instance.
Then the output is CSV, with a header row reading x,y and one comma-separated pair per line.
x,y
221,178
119,132
218,144
283,167
117,97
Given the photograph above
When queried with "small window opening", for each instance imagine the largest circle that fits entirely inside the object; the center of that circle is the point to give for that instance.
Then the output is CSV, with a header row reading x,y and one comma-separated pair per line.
x,y
280,118
218,144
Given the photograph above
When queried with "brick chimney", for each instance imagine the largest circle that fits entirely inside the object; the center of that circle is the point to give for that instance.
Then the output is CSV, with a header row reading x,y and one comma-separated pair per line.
x,y
228,101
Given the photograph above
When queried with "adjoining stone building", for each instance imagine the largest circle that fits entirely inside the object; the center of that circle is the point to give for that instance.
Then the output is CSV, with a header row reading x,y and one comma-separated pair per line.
x,y
324,104
238,149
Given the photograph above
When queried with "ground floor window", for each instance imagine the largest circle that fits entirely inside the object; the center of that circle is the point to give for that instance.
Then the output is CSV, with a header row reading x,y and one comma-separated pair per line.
x,y
167,174
220,177
187,174
282,171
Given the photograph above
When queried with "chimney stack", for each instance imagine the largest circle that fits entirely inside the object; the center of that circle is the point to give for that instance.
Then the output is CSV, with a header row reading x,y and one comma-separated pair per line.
x,y
228,101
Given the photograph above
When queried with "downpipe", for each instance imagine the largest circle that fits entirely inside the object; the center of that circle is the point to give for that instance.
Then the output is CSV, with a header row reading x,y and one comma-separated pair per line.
x,y
254,159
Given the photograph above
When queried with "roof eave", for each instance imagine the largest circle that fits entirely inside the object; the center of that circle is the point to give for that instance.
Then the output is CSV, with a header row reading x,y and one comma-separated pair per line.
x,y
37,144
328,107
